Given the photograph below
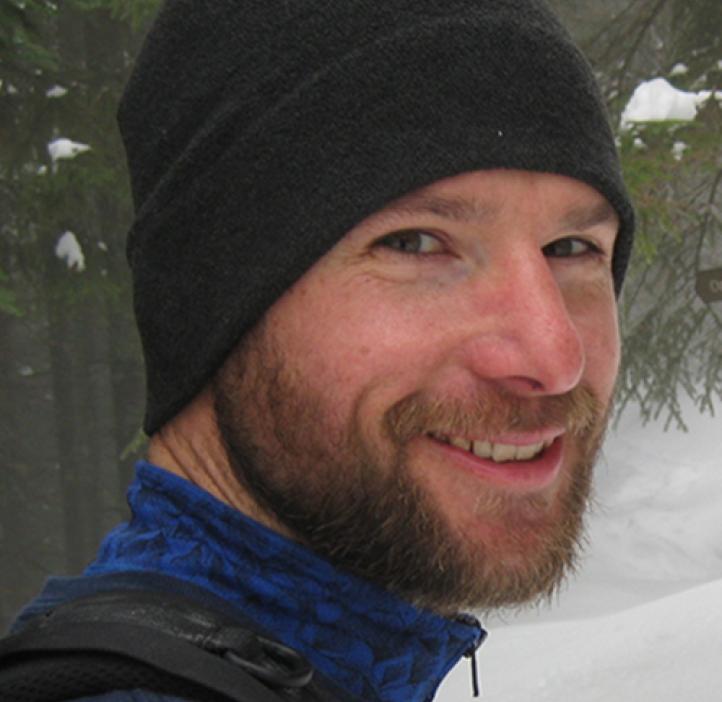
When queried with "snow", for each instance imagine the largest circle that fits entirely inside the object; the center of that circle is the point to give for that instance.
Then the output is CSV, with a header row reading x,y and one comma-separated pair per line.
x,y
63,148
679,69
57,91
664,650
68,249
706,94
678,149
658,101
642,620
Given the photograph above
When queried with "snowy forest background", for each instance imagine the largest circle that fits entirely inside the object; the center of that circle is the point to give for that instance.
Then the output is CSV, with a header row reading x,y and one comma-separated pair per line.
x,y
71,377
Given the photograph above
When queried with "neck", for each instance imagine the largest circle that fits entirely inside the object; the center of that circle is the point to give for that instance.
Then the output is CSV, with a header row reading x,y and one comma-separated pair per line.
x,y
191,447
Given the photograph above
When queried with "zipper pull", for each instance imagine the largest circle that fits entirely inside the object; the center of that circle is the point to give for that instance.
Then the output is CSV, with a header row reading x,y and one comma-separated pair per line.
x,y
476,688
469,620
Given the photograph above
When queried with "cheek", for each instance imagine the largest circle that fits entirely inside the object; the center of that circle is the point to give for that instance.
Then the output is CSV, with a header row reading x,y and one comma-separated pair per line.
x,y
598,328
325,334
360,339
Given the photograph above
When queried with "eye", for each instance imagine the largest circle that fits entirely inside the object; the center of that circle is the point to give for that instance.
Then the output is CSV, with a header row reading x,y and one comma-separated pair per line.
x,y
411,241
570,247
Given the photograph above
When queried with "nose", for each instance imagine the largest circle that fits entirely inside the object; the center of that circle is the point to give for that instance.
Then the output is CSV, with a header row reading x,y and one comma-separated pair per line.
x,y
527,342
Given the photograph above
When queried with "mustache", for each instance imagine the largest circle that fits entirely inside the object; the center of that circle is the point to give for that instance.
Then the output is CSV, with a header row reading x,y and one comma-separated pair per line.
x,y
493,412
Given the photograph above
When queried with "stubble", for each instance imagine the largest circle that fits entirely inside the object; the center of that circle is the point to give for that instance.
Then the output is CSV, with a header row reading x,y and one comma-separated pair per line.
x,y
357,504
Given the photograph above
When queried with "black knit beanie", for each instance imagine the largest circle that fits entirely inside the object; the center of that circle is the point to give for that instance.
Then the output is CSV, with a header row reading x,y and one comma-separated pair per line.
x,y
259,132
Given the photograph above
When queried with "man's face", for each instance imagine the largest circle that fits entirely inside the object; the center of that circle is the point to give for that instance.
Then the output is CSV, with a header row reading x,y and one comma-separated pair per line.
x,y
425,405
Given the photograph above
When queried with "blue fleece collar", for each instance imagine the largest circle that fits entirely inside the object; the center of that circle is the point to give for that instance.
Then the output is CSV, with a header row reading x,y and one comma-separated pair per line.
x,y
367,641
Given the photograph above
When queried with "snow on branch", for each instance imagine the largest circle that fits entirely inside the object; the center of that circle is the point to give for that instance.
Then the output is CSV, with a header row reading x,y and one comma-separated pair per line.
x,y
68,249
63,148
658,101
56,91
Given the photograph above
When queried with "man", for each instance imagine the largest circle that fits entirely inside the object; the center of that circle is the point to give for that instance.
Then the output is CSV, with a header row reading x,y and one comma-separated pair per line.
x,y
376,256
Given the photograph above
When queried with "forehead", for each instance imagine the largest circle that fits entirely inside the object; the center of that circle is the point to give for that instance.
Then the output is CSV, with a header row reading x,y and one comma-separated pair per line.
x,y
482,196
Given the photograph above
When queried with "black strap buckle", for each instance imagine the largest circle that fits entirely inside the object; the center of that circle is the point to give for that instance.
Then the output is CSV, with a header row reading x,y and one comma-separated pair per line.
x,y
278,665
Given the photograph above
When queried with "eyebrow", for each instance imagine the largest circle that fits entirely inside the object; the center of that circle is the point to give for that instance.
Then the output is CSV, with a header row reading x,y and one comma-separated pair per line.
x,y
458,209
586,217
467,210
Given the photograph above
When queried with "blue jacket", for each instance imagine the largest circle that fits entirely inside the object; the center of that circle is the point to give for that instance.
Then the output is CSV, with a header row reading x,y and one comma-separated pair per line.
x,y
368,643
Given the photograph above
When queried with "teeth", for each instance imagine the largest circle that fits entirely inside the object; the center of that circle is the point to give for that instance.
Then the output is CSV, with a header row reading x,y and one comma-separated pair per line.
x,y
460,443
482,449
501,453
524,453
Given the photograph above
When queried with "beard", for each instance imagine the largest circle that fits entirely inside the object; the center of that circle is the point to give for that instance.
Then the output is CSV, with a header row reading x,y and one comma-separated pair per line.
x,y
355,500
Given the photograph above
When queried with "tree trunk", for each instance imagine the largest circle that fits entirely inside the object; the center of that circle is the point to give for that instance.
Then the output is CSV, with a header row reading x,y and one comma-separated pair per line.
x,y
65,404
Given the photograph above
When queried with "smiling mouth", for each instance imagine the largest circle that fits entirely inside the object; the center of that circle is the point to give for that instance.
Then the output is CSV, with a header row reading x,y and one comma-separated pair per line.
x,y
494,451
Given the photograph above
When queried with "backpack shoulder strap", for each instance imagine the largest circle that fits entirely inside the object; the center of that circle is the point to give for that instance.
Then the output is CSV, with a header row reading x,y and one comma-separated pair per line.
x,y
162,642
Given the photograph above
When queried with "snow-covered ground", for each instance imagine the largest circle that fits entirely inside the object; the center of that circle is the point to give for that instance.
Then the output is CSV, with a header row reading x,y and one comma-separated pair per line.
x,y
642,621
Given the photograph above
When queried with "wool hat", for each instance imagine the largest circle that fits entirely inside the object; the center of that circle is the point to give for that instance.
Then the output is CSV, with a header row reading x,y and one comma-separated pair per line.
x,y
258,132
